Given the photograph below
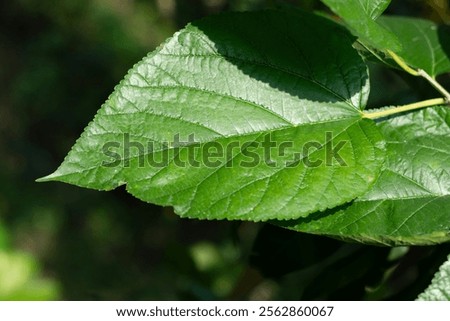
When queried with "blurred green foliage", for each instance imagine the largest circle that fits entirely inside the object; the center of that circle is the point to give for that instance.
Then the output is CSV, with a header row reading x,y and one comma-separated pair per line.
x,y
19,275
59,62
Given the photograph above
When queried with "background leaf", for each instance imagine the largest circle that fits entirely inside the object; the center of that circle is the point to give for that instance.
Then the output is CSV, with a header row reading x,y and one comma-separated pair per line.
x,y
422,42
360,16
232,79
410,202
439,289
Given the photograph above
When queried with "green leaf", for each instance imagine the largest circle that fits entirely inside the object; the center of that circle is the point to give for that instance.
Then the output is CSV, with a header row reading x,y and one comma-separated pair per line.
x,y
439,289
422,43
360,16
410,202
226,85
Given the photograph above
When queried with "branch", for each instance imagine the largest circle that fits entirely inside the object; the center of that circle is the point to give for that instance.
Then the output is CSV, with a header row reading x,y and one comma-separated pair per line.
x,y
421,73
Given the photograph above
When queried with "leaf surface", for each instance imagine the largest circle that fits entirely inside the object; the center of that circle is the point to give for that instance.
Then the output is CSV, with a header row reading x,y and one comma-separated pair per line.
x,y
224,86
361,18
424,43
410,202
439,289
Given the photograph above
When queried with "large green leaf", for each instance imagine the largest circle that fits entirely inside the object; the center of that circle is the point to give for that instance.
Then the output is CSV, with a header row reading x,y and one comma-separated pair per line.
x,y
360,16
422,43
237,80
410,202
439,289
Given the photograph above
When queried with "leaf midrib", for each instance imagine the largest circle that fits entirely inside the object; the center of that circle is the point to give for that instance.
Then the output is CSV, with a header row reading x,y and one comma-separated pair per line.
x,y
52,176
226,137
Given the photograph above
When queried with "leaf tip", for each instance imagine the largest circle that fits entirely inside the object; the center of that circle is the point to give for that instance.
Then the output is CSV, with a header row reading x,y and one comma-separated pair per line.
x,y
48,178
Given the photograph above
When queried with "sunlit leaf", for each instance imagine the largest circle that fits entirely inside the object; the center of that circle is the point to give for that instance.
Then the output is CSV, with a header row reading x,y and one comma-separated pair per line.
x,y
239,85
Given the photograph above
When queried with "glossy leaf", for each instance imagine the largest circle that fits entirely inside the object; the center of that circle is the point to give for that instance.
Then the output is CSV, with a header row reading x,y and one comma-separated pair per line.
x,y
361,18
439,289
410,202
423,43
236,80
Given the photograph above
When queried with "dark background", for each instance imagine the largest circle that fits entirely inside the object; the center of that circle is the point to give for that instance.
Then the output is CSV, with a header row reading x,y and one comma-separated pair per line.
x,y
59,61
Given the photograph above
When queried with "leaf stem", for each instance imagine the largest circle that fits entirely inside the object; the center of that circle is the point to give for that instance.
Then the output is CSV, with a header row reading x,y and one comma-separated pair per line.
x,y
400,109
402,63
434,83
420,73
